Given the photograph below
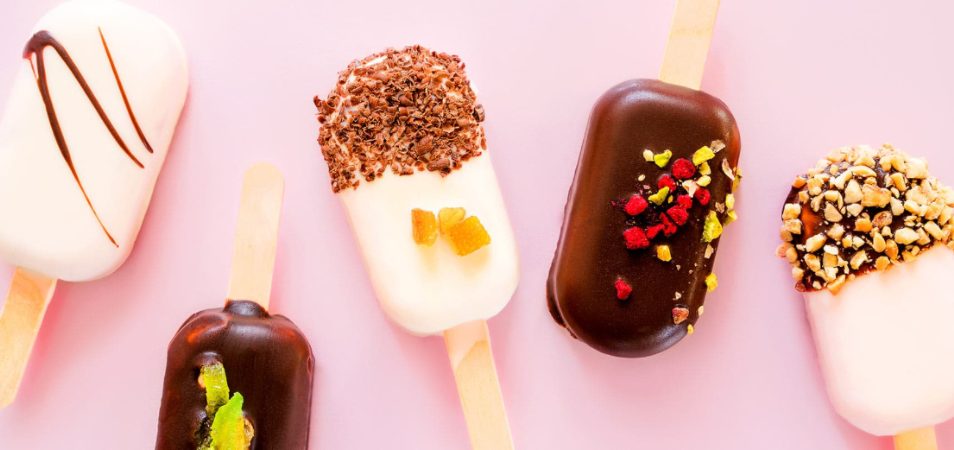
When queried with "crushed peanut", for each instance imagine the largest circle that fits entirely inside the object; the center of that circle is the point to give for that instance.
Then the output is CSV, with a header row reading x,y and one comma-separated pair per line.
x,y
862,209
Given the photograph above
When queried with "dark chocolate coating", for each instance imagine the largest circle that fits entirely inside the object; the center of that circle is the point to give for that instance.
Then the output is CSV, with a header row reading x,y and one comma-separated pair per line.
x,y
631,117
267,359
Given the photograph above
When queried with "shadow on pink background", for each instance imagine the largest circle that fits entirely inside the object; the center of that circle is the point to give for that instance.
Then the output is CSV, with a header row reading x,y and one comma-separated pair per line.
x,y
801,78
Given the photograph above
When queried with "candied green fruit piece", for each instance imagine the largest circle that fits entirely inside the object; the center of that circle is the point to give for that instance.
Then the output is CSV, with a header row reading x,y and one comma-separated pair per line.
x,y
216,387
659,197
230,430
712,228
702,155
423,226
448,217
712,282
661,159
468,236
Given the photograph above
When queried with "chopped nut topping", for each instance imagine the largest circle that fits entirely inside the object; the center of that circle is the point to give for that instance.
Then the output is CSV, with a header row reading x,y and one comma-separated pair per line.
x,y
862,209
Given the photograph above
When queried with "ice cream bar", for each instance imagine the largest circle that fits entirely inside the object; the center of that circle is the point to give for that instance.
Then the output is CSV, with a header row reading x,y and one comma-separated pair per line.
x,y
86,130
265,358
239,377
84,134
653,185
401,133
868,235
652,192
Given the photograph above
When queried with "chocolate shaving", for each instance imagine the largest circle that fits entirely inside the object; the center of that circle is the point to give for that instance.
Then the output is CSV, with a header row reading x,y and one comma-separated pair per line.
x,y
402,110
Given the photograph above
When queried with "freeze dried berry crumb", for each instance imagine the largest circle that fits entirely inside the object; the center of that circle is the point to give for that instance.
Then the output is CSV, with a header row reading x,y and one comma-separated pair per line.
x,y
678,214
685,201
636,205
667,182
680,314
623,288
635,238
683,169
703,196
653,230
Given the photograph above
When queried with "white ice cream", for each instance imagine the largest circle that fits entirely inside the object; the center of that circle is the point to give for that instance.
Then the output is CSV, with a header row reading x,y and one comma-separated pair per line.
x,y
47,225
430,289
886,345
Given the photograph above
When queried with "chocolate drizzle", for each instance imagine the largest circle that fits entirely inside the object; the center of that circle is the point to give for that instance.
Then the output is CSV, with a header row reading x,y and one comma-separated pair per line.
x,y
34,48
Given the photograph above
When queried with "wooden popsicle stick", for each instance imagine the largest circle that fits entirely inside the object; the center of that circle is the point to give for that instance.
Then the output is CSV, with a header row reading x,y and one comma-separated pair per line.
x,y
20,321
920,439
256,235
688,44
471,357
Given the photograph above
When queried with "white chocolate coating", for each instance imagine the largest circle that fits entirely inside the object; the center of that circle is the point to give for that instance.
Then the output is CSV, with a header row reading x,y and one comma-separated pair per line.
x,y
47,225
886,345
428,290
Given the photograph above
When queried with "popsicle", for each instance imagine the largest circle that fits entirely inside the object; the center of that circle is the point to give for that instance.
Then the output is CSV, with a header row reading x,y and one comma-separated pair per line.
x,y
868,235
652,192
86,129
406,152
239,377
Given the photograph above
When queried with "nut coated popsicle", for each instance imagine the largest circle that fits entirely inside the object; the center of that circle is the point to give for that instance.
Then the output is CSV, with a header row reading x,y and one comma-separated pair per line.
x,y
868,235
402,136
239,377
86,130
652,193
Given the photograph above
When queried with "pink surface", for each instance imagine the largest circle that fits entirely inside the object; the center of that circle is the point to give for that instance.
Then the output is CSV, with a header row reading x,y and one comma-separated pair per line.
x,y
801,78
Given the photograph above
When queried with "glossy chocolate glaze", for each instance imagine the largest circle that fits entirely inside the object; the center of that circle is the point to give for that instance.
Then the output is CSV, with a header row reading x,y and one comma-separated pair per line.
x,y
630,117
35,49
266,358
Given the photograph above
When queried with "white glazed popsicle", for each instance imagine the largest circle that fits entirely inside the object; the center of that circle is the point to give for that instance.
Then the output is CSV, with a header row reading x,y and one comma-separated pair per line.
x,y
126,57
429,290
401,132
884,345
869,235
85,132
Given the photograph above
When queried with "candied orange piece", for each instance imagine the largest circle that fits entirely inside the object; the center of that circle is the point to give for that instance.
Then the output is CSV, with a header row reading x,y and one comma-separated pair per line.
x,y
448,217
423,226
468,236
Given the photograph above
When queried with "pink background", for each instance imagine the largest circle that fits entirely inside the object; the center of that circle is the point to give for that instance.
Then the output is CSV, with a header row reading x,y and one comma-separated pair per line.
x,y
801,77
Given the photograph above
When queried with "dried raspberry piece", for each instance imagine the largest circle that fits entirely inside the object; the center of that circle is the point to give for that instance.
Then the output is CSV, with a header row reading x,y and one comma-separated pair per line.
x,y
703,196
669,228
636,205
678,214
679,314
683,169
635,238
654,230
685,201
666,181
623,289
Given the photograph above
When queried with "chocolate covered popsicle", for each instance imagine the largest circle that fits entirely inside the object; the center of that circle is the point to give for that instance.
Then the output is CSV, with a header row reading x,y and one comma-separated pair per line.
x,y
868,233
239,377
86,129
652,194
401,134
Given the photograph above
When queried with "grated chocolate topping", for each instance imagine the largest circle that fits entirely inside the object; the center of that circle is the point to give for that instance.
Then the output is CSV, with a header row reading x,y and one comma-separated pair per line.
x,y
861,210
402,110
